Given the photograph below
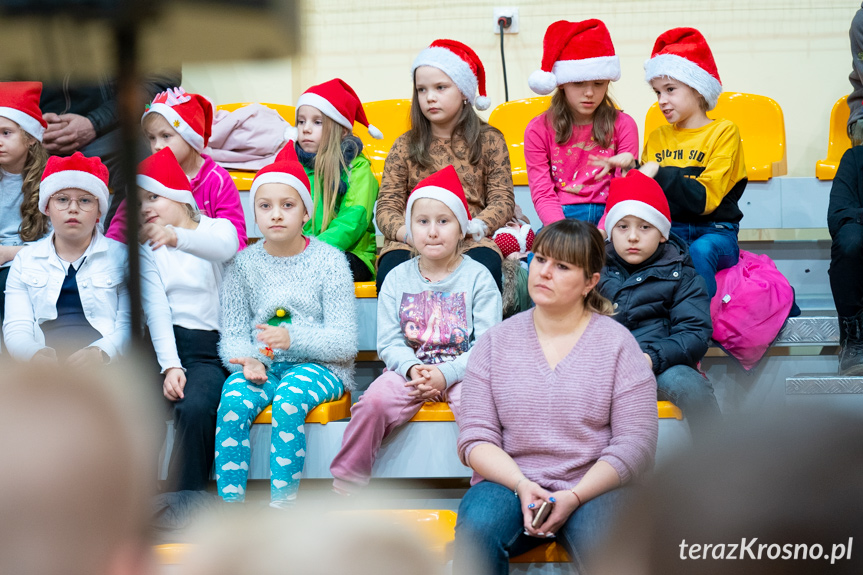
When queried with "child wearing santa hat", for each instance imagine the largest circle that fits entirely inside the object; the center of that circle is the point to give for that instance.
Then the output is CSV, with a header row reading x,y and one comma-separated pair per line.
x,y
658,296
289,332
431,310
344,188
187,251
183,122
575,148
446,130
698,161
66,297
22,161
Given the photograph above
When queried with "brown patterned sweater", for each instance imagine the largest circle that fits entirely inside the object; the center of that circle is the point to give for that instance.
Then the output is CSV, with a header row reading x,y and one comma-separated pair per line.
x,y
487,186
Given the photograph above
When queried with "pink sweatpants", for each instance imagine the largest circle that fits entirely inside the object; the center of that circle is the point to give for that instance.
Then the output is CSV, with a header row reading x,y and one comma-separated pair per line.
x,y
381,409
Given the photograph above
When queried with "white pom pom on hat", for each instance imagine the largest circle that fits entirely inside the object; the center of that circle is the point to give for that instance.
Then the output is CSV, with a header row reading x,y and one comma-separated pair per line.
x,y
542,83
375,133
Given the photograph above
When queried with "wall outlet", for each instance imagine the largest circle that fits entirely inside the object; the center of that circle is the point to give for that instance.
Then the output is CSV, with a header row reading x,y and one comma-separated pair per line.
x,y
511,13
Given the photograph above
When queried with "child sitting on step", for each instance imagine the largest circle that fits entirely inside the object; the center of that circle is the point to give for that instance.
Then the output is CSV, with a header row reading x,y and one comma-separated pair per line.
x,y
658,295
289,333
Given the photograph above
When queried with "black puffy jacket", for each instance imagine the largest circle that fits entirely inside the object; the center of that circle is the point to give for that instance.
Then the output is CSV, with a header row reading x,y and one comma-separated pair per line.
x,y
665,305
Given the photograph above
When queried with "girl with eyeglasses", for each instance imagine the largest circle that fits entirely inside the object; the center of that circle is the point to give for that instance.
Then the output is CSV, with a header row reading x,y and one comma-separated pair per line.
x,y
66,297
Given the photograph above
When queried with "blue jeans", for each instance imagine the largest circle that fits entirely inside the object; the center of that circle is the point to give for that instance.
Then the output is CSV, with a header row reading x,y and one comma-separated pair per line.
x,y
693,394
713,247
490,529
586,212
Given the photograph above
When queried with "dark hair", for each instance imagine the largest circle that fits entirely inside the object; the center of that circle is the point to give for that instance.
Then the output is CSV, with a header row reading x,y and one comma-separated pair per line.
x,y
560,118
469,127
578,243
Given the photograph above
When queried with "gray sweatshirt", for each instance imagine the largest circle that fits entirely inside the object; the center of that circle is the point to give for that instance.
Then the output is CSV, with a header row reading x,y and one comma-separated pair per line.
x,y
10,210
435,323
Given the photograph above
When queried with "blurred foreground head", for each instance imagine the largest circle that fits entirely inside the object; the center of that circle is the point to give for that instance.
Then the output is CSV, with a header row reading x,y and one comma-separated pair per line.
x,y
78,465
310,541
788,479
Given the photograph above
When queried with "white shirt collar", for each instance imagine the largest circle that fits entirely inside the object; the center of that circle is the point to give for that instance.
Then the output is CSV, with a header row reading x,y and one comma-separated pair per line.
x,y
77,263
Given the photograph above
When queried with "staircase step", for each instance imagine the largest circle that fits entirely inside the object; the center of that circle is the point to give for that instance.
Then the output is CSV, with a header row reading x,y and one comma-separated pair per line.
x,y
812,330
822,383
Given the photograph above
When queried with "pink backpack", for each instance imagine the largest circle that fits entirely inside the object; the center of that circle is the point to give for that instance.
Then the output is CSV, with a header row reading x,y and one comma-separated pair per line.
x,y
753,299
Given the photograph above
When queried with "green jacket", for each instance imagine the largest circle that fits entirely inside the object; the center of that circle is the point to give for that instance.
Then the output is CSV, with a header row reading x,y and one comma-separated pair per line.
x,y
352,229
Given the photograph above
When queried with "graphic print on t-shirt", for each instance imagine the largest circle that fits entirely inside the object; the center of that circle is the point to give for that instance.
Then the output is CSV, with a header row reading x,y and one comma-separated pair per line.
x,y
434,324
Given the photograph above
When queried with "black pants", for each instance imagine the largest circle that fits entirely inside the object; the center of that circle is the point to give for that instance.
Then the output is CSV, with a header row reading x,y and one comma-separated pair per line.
x,y
359,270
846,270
195,415
486,256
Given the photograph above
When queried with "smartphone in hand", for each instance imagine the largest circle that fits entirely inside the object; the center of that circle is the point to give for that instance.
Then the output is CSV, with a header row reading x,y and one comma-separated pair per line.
x,y
541,514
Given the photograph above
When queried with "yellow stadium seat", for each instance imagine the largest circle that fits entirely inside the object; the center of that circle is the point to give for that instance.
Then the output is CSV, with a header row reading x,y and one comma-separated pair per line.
x,y
323,414
171,553
548,553
243,179
440,411
668,410
434,527
436,411
762,131
392,118
511,118
837,142
365,290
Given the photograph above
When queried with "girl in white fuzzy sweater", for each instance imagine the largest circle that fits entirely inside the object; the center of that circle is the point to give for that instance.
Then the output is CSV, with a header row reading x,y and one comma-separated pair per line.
x,y
296,295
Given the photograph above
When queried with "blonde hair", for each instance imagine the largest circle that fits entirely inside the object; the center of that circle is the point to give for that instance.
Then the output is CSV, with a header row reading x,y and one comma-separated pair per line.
x,y
329,165
580,244
560,117
149,119
34,224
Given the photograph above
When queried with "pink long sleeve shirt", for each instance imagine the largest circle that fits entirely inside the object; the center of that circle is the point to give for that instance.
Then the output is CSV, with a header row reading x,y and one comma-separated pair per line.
x,y
598,404
561,175
215,193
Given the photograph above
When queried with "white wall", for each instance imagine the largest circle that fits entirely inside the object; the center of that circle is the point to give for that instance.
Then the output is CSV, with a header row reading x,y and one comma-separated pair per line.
x,y
796,52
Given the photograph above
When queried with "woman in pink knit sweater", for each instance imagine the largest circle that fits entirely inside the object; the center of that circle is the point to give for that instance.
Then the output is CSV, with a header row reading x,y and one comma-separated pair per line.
x,y
567,421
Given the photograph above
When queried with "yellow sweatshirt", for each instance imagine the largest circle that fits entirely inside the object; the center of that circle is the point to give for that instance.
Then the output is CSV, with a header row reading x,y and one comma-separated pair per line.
x,y
702,171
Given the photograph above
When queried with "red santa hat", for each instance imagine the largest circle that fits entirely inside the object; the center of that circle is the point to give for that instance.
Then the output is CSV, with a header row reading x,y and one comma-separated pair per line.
x,y
191,115
74,172
285,170
19,102
514,240
162,175
640,196
683,55
337,101
445,187
575,52
461,64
